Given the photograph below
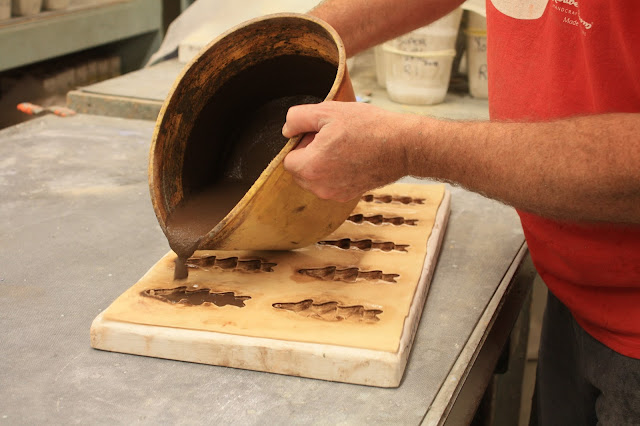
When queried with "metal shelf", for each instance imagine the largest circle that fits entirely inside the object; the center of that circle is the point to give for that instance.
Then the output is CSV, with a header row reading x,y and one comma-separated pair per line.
x,y
49,34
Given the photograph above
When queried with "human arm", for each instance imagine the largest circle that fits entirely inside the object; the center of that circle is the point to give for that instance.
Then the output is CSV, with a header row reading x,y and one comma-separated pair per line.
x,y
581,168
365,23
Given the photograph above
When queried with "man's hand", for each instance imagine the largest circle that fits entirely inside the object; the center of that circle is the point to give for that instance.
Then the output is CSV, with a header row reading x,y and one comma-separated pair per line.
x,y
578,168
348,148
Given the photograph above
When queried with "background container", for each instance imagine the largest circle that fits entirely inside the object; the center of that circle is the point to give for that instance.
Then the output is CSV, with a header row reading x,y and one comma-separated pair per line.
x,y
439,35
5,9
55,4
26,7
412,50
476,34
380,66
419,78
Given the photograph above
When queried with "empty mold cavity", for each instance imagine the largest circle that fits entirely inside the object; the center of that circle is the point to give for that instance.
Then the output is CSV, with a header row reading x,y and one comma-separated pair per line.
x,y
230,264
193,297
370,198
380,220
348,275
331,311
364,245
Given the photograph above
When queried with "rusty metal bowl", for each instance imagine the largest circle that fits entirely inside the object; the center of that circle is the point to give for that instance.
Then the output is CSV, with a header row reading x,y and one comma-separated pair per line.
x,y
193,143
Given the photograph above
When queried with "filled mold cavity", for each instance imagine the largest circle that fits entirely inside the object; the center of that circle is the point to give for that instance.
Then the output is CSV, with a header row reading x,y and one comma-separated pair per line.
x,y
381,220
331,311
230,264
347,275
193,297
364,245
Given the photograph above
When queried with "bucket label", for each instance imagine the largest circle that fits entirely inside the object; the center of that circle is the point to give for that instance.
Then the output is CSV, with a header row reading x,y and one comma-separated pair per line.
x,y
419,68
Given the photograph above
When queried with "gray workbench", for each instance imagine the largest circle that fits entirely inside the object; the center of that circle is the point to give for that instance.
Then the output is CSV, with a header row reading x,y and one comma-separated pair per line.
x,y
138,94
77,229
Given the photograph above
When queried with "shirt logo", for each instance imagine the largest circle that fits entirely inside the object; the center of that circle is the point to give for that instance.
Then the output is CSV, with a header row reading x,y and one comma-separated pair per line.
x,y
566,11
570,13
518,9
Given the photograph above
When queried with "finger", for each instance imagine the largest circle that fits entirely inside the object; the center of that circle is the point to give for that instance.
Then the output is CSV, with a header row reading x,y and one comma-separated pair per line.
x,y
301,119
295,161
305,141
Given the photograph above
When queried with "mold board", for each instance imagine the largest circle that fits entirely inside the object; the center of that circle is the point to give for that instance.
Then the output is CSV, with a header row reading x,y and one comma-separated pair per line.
x,y
261,337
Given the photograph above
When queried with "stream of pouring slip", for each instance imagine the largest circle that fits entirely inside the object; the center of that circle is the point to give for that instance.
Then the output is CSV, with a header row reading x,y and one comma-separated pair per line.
x,y
191,222
257,142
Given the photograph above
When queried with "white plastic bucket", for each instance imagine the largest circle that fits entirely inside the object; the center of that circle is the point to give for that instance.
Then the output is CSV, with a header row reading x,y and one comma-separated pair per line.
x,y
55,4
418,78
437,36
380,65
5,9
476,20
26,7
477,63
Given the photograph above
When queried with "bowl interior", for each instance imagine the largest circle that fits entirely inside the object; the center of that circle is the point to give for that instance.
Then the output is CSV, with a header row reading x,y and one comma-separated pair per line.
x,y
239,130
222,125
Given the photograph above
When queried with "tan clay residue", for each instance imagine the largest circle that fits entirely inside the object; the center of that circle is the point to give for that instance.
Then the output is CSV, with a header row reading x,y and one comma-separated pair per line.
x,y
348,275
331,311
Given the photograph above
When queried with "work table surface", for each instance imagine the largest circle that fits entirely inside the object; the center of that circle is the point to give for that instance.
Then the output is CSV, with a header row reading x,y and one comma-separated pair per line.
x,y
77,229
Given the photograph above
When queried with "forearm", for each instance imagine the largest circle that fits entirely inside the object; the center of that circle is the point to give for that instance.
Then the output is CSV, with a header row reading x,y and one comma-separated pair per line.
x,y
360,25
583,168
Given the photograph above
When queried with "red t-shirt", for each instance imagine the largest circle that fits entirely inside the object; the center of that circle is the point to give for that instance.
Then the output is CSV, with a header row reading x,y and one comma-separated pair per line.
x,y
551,59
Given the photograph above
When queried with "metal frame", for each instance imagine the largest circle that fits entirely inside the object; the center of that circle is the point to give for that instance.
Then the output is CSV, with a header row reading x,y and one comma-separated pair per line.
x,y
51,34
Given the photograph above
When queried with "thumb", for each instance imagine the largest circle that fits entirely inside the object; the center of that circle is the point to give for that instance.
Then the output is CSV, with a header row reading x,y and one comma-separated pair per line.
x,y
301,119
